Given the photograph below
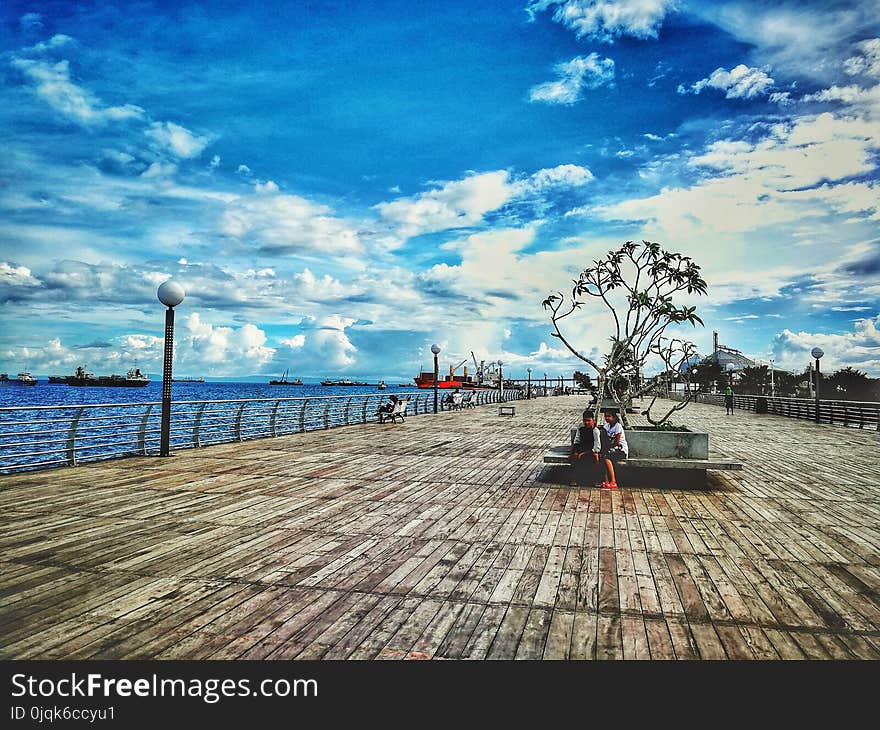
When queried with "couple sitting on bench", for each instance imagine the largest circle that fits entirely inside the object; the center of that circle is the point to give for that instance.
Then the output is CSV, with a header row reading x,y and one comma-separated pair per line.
x,y
592,445
395,408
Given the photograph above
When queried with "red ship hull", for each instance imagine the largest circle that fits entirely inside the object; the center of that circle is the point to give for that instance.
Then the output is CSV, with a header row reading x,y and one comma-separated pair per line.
x,y
425,381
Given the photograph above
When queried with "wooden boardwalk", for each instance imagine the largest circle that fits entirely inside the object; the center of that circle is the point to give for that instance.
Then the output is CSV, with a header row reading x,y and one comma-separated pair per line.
x,y
446,537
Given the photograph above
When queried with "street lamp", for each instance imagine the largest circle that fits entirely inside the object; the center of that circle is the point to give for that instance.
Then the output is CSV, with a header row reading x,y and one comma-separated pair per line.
x,y
772,381
436,350
730,368
817,352
545,383
529,387
170,294
695,372
500,382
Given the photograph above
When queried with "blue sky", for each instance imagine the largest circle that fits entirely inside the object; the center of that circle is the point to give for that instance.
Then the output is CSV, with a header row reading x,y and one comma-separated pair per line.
x,y
338,185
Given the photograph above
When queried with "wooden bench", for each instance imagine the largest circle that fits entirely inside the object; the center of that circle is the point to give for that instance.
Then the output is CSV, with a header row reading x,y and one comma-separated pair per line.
x,y
506,410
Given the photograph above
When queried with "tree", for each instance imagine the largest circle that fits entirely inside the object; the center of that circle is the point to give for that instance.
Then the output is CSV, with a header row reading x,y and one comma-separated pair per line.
x,y
786,383
754,380
708,372
582,380
849,384
636,284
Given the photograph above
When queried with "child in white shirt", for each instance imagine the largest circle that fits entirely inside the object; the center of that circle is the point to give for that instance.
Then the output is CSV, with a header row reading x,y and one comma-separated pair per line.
x,y
615,448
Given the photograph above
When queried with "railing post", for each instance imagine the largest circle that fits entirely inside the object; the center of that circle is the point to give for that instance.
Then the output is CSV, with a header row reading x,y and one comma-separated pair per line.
x,y
197,425
347,404
327,414
142,431
272,418
238,422
302,416
364,410
71,438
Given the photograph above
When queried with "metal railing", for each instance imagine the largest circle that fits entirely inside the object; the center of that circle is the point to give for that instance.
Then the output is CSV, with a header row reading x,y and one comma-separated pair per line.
x,y
858,414
39,437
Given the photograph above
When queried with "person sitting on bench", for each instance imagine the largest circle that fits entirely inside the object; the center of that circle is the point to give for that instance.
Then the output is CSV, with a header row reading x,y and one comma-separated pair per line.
x,y
585,450
615,447
386,409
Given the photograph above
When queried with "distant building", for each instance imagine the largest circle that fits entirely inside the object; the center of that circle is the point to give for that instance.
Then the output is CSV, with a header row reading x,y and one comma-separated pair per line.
x,y
727,355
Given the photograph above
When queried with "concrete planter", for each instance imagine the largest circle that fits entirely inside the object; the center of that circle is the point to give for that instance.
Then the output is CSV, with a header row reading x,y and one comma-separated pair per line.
x,y
650,443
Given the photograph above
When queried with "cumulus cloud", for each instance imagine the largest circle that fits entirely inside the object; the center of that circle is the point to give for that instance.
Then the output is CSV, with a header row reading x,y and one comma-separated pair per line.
x,y
560,176
604,20
328,341
15,281
288,224
294,342
750,185
199,346
859,348
207,344
866,61
582,72
741,82
177,140
453,205
52,83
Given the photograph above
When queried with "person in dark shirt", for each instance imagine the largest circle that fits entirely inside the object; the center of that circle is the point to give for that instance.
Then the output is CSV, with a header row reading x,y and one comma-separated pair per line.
x,y
386,410
585,449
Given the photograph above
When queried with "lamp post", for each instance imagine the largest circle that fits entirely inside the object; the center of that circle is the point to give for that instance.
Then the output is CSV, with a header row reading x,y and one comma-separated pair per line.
x,y
817,353
500,381
170,294
529,387
772,381
696,385
545,383
436,350
730,367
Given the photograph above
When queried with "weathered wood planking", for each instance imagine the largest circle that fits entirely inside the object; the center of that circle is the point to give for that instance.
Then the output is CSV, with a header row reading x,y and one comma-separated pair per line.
x,y
447,537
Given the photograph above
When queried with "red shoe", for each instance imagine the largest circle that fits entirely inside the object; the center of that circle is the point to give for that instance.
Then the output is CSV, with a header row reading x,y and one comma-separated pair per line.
x,y
610,485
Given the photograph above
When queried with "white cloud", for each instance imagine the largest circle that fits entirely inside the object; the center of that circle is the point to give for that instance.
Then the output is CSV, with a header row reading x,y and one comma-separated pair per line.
x,y
311,287
279,224
453,205
867,61
53,85
582,72
159,170
560,176
294,342
760,184
741,82
16,275
328,341
604,20
859,349
225,348
176,139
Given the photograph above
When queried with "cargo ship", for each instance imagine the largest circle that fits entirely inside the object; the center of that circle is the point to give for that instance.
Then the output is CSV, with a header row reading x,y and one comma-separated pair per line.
x,y
484,379
344,381
134,378
285,381
20,379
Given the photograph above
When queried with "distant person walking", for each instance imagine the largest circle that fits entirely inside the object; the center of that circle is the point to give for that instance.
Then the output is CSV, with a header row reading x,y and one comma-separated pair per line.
x,y
728,401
